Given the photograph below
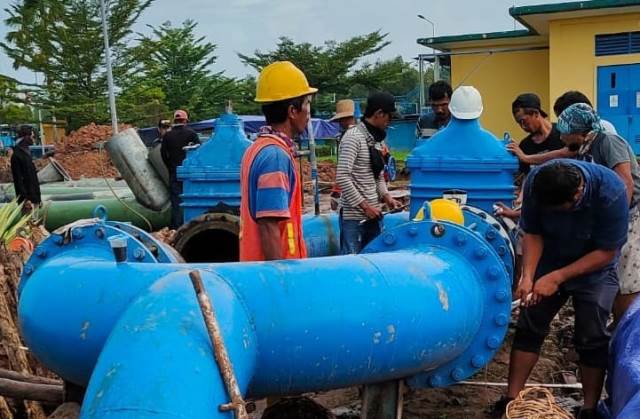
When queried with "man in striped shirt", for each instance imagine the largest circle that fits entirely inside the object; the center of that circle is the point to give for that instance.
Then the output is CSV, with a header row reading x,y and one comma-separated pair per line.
x,y
359,175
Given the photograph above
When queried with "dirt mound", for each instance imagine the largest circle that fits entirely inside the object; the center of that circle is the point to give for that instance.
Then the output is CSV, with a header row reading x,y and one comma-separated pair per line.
x,y
87,138
81,152
326,171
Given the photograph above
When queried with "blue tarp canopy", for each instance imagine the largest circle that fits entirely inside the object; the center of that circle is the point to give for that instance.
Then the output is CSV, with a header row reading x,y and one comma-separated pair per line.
x,y
252,124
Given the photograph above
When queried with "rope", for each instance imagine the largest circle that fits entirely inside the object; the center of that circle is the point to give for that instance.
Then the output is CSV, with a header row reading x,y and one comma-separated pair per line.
x,y
527,406
124,204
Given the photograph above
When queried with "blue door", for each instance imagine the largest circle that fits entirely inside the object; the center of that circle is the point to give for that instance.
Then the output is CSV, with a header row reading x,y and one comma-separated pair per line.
x,y
619,100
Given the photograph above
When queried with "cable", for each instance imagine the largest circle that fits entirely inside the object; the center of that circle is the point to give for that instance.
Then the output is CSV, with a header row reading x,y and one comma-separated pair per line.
x,y
474,69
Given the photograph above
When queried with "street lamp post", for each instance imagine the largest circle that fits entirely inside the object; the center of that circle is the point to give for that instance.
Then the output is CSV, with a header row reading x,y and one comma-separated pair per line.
x,y
436,72
107,54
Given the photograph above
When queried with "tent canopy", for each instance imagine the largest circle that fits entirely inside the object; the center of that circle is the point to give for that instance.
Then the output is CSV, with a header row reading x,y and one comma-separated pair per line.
x,y
253,123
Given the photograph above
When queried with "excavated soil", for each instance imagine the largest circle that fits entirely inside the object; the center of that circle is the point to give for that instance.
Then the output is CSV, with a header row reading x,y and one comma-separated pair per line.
x,y
81,153
14,355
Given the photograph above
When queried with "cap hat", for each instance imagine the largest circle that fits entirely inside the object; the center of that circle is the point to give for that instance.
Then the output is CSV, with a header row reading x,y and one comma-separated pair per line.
x,y
528,101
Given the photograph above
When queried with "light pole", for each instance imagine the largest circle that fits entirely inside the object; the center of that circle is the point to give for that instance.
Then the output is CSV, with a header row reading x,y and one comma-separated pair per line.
x,y
433,25
436,72
107,54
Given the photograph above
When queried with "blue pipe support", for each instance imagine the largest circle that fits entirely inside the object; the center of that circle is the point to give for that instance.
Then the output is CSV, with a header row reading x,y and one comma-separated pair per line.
x,y
434,305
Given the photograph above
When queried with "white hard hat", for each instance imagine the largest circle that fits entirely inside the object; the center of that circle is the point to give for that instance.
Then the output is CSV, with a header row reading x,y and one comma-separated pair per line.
x,y
466,103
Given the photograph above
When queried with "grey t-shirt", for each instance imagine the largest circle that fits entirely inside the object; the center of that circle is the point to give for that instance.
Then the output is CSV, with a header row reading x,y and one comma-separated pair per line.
x,y
610,150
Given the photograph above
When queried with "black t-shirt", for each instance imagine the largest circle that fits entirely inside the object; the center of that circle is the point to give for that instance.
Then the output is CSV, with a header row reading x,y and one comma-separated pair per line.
x,y
428,125
528,146
172,147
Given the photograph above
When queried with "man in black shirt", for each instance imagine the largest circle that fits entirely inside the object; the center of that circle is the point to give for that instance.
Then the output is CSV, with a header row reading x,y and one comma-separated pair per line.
x,y
439,98
543,135
25,176
173,154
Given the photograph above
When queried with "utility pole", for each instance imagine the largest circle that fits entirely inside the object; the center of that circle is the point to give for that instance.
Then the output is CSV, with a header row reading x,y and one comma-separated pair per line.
x,y
107,55
436,62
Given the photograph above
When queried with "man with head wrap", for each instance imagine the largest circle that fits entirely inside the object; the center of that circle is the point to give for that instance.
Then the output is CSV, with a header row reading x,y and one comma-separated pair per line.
x,y
581,129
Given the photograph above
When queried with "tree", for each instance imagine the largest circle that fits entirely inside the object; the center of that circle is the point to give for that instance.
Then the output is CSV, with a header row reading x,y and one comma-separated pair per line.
x,y
327,67
14,114
62,39
338,69
176,61
394,76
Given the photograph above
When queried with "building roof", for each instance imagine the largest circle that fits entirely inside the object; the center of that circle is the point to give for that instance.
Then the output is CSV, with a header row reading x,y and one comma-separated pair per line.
x,y
536,19
504,38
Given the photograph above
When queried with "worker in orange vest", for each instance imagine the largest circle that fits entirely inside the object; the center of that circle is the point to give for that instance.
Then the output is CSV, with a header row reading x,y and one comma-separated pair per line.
x,y
271,198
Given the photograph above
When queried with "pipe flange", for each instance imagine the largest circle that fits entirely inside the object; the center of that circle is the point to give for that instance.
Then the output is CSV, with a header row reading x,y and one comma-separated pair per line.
x,y
142,247
492,234
495,283
505,227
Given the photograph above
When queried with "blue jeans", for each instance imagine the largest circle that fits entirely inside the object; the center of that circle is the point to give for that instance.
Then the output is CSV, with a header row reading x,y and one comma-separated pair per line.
x,y
175,190
354,236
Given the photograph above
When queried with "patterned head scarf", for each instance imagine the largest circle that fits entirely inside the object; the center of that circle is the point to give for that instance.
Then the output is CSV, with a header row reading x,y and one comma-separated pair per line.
x,y
579,118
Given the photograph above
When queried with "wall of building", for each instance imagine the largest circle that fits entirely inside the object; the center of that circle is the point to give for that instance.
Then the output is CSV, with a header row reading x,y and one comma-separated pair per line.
x,y
572,61
500,77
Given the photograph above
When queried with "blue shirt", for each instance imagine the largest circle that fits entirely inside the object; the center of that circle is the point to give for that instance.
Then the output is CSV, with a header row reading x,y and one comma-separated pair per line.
x,y
598,221
271,183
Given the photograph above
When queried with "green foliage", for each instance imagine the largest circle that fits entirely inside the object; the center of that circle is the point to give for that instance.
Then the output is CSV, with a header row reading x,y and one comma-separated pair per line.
x,y
14,114
62,39
337,68
175,61
327,67
12,220
167,69
394,76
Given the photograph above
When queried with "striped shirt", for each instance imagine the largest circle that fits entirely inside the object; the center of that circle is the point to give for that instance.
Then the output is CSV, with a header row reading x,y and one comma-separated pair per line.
x,y
354,174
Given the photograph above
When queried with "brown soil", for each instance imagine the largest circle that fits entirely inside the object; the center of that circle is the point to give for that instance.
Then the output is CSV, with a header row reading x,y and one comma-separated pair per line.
x,y
81,154
13,353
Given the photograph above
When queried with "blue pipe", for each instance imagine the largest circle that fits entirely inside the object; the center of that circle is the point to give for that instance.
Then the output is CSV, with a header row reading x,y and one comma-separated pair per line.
x,y
431,301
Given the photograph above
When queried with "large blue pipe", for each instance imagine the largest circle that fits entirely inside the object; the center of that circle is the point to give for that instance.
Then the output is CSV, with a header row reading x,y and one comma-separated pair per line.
x,y
431,301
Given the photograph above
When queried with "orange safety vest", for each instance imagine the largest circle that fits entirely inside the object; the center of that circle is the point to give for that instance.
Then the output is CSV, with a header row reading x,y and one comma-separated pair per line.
x,y
291,238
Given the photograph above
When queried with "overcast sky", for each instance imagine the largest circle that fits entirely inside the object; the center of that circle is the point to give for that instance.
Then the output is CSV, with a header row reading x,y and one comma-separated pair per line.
x,y
247,25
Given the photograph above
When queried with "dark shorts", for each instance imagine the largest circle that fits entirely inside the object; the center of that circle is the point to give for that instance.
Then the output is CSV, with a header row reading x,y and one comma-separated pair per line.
x,y
592,303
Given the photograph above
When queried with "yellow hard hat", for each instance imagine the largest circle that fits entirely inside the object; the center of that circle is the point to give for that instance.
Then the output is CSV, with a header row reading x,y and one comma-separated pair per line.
x,y
280,81
441,210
